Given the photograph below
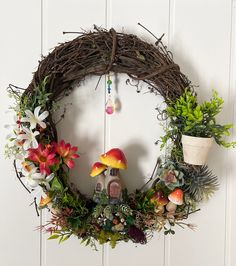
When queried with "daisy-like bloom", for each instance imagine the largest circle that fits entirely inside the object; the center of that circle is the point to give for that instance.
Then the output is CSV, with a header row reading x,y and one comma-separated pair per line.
x,y
67,152
45,157
28,138
35,118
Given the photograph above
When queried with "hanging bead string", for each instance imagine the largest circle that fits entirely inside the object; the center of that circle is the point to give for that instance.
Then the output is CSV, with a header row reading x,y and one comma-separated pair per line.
x,y
109,104
109,82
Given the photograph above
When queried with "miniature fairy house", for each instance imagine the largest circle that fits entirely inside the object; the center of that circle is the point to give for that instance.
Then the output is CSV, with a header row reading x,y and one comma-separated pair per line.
x,y
114,160
98,170
110,182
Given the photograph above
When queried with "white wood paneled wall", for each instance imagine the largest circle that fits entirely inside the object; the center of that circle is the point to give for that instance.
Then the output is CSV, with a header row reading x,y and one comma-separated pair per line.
x,y
202,36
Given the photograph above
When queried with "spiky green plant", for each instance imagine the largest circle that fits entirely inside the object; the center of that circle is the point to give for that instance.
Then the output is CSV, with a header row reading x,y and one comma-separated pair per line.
x,y
200,182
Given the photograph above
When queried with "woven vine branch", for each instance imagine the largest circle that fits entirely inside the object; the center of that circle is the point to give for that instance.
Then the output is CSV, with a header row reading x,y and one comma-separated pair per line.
x,y
101,51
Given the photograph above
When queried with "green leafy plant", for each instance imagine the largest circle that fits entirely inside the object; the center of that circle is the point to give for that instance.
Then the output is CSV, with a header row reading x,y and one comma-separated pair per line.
x,y
109,237
186,116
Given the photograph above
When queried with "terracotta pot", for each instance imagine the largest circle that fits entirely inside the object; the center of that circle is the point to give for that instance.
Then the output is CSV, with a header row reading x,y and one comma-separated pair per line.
x,y
196,149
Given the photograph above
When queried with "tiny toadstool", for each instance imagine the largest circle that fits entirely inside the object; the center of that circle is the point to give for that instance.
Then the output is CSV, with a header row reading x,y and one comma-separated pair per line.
x,y
97,169
114,158
176,198
159,198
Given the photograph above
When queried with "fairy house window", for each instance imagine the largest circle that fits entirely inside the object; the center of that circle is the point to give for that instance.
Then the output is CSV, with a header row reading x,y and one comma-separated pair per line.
x,y
98,187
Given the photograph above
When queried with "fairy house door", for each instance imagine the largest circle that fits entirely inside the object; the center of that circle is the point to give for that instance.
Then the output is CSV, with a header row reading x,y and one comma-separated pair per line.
x,y
113,185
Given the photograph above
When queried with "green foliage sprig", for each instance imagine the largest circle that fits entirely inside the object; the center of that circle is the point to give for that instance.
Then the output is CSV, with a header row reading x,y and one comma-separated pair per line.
x,y
186,116
39,97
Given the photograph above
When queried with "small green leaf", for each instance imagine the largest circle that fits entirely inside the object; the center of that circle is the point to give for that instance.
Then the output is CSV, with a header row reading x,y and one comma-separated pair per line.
x,y
53,237
87,242
65,238
56,184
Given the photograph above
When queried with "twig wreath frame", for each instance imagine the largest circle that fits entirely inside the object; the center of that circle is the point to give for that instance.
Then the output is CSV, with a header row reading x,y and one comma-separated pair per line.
x,y
44,162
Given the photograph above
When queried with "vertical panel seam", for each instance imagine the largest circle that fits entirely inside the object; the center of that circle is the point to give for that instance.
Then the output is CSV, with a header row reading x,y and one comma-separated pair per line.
x,y
41,53
171,22
104,248
41,30
228,204
171,18
105,126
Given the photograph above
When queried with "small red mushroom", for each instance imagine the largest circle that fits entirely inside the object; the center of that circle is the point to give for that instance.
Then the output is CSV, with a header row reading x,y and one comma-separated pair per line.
x,y
159,198
114,158
176,198
97,169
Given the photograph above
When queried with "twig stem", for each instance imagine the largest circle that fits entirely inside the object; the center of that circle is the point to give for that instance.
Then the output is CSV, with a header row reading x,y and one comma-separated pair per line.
x,y
153,172
72,32
158,39
18,176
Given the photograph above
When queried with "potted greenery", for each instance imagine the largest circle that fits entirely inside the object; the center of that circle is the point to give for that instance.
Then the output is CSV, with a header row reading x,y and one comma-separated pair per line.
x,y
195,126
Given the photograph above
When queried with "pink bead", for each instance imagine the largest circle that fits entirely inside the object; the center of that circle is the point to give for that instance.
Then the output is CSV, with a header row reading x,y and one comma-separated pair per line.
x,y
109,107
109,110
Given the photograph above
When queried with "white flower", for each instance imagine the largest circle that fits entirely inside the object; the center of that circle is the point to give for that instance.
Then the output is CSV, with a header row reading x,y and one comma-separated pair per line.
x,y
29,138
15,131
34,178
27,166
45,180
35,118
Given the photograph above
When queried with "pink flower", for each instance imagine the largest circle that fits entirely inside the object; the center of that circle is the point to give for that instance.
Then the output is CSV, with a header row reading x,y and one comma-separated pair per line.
x,y
67,152
45,157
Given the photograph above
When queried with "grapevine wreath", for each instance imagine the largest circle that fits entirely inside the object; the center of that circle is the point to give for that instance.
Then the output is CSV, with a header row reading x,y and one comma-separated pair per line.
x,y
42,162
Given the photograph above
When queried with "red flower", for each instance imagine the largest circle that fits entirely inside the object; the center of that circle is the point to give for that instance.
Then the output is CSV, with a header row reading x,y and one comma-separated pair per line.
x,y
44,156
67,152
